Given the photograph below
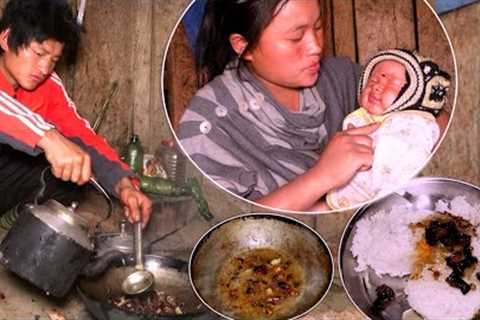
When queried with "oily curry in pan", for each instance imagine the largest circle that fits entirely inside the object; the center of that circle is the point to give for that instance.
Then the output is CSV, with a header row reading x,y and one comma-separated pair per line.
x,y
260,283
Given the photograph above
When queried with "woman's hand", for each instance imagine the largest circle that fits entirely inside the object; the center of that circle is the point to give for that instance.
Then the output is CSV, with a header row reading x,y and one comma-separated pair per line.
x,y
319,206
347,153
136,205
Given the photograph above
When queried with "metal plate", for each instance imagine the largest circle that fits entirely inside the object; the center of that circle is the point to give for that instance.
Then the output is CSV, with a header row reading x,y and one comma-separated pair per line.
x,y
361,286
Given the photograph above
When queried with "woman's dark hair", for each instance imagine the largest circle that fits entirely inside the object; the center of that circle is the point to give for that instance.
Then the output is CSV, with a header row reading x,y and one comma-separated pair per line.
x,y
40,20
224,17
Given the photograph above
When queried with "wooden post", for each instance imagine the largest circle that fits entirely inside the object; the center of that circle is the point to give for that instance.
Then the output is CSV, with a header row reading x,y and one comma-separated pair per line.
x,y
344,29
383,24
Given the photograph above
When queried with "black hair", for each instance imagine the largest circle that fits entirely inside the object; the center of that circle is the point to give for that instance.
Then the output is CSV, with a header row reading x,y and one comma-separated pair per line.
x,y
221,19
40,20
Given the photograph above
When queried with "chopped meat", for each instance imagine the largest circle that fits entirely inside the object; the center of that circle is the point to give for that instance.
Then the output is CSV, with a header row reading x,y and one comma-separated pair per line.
x,y
262,269
152,303
260,283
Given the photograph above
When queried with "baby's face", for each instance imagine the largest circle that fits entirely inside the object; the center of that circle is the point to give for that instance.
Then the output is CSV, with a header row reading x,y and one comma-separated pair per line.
x,y
385,82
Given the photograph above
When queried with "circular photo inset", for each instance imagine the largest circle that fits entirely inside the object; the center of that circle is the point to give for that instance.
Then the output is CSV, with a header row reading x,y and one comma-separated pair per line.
x,y
300,106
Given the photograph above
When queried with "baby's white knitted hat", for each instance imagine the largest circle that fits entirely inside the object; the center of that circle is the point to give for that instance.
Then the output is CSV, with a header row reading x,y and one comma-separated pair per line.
x,y
427,87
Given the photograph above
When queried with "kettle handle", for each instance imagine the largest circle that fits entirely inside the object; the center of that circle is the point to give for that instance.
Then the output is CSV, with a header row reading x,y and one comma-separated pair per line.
x,y
98,186
93,181
43,186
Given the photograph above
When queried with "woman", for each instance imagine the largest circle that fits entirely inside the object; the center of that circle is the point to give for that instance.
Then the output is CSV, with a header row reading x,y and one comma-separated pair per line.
x,y
265,124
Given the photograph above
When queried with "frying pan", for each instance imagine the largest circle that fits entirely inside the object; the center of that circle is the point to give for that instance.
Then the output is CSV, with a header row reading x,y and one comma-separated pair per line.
x,y
170,276
238,235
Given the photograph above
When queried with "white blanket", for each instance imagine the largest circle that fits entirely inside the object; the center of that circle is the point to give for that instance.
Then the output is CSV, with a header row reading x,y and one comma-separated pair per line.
x,y
402,144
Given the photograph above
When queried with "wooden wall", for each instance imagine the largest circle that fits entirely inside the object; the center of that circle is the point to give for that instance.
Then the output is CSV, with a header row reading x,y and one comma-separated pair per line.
x,y
124,42
459,154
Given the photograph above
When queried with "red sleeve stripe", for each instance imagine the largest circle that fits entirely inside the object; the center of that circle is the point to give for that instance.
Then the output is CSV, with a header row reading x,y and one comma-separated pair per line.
x,y
71,104
18,109
25,119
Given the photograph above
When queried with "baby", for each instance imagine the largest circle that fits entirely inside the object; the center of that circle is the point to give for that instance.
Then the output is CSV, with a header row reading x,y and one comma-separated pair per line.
x,y
404,92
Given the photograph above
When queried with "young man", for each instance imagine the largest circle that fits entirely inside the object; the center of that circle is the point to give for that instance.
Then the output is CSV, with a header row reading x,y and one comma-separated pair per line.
x,y
39,125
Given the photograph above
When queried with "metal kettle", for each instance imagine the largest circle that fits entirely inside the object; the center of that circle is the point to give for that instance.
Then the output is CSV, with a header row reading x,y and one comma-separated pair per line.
x,y
122,241
49,246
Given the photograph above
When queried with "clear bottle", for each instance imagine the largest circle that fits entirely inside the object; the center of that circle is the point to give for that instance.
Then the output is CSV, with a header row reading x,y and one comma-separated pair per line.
x,y
134,156
174,164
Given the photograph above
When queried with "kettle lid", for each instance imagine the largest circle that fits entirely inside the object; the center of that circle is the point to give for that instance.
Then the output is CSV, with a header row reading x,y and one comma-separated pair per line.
x,y
63,220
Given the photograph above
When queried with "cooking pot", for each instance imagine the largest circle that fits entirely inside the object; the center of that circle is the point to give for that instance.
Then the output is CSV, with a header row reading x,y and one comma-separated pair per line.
x,y
170,277
236,238
49,246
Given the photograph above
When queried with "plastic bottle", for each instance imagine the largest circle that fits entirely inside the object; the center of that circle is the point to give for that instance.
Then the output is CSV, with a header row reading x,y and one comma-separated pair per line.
x,y
173,162
134,156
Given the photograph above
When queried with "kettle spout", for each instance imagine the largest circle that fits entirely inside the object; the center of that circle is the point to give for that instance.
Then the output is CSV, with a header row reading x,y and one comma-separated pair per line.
x,y
100,264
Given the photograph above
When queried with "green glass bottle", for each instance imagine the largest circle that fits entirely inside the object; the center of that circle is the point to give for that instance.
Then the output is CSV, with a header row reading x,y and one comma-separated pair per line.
x,y
134,156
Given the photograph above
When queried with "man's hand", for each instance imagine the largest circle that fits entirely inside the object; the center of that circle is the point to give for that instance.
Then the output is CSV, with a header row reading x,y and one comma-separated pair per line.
x,y
136,204
69,162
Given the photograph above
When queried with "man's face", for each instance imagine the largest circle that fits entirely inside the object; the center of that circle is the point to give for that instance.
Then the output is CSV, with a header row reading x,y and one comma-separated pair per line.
x,y
31,64
385,82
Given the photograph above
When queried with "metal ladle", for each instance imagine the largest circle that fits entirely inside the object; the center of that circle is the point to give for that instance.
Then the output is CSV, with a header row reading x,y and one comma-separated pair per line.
x,y
140,280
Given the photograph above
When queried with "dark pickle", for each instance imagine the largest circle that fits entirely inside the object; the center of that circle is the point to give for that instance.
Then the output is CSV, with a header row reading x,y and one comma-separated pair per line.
x,y
385,295
456,281
453,235
443,232
459,263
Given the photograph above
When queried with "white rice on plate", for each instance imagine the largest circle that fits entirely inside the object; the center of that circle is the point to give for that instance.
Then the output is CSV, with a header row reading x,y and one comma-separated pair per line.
x,y
460,207
385,243
436,300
